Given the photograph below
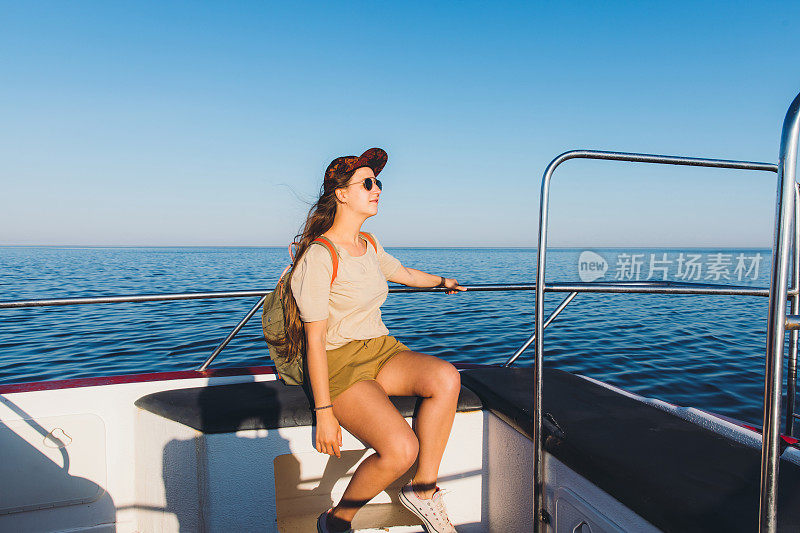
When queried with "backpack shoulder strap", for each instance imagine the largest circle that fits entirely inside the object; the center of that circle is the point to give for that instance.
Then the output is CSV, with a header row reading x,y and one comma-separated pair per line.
x,y
370,239
326,242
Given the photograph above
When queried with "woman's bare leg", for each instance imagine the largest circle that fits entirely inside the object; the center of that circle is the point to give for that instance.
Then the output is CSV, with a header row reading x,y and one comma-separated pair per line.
x,y
365,411
438,383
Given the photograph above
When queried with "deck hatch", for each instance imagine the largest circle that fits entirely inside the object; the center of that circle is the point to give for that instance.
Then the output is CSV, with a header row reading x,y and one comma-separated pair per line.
x,y
52,462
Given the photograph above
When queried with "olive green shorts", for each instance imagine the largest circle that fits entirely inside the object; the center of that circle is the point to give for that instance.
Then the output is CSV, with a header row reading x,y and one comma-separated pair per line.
x,y
360,360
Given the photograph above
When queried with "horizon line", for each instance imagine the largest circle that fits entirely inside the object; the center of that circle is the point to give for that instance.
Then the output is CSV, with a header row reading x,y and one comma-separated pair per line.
x,y
426,247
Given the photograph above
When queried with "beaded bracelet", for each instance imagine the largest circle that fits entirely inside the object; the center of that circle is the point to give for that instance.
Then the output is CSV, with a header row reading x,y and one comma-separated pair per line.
x,y
323,407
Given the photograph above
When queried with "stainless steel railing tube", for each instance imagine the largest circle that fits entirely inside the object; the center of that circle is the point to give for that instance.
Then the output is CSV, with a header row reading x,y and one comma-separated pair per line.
x,y
547,322
539,511
233,333
776,321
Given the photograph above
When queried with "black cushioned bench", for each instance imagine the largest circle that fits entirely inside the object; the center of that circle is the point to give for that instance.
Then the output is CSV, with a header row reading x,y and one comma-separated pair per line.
x,y
675,474
255,405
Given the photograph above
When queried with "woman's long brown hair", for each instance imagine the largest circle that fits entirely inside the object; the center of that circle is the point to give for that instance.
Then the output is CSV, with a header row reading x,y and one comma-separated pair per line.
x,y
320,218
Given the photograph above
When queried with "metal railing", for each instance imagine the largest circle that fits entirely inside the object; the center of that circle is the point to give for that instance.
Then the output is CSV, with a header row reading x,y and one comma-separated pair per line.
x,y
631,287
778,289
778,294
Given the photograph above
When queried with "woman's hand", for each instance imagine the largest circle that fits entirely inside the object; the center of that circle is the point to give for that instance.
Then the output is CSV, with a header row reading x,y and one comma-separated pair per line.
x,y
329,433
452,286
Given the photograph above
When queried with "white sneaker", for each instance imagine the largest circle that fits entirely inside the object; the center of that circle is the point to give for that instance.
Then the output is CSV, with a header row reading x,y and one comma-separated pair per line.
x,y
432,512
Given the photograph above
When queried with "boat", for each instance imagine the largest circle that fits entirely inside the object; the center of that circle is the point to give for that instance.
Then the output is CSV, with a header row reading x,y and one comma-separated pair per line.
x,y
532,448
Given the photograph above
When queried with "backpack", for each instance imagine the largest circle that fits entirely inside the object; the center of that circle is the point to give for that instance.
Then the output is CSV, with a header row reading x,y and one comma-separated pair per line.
x,y
272,318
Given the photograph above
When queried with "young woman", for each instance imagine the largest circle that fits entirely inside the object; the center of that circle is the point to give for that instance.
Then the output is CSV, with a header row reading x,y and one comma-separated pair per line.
x,y
353,365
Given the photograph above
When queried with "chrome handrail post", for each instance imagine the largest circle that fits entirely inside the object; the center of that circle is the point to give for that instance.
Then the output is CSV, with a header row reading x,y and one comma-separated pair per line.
x,y
538,330
778,291
791,371
539,517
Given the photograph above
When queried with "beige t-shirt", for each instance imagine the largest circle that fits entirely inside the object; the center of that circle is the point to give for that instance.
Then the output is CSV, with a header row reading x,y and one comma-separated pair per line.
x,y
352,304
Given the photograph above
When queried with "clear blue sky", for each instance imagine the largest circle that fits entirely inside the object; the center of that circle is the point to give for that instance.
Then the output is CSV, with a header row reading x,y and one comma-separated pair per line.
x,y
199,123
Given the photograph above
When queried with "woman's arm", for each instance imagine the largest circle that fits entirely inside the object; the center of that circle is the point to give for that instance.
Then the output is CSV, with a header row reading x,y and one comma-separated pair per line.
x,y
329,433
417,278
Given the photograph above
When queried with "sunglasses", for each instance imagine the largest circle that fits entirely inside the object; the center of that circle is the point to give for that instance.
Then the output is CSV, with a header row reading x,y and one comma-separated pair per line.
x,y
368,183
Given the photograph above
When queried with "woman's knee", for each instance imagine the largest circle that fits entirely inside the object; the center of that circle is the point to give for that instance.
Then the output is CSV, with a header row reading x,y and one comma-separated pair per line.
x,y
449,380
401,451
443,380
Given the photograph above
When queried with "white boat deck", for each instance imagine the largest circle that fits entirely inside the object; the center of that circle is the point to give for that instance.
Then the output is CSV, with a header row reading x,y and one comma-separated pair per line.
x,y
87,459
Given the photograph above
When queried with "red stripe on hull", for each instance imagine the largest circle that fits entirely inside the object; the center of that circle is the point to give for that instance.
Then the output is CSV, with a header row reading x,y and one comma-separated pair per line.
x,y
155,376
133,378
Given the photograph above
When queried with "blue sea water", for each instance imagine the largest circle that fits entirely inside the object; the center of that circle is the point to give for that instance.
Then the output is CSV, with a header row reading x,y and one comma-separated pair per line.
x,y
701,351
